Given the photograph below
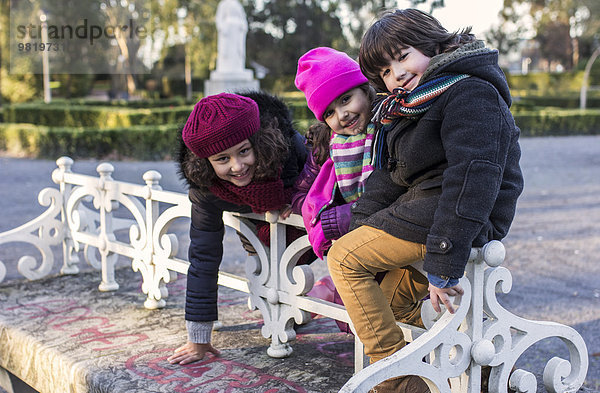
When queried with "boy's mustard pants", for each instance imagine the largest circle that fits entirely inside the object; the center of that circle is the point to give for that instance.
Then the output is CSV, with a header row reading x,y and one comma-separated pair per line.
x,y
374,308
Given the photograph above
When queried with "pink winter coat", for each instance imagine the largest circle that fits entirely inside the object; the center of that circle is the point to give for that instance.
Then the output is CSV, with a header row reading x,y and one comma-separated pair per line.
x,y
319,197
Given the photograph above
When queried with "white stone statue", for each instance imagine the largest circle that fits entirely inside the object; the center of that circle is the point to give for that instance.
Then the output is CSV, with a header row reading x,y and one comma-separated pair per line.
x,y
230,73
232,28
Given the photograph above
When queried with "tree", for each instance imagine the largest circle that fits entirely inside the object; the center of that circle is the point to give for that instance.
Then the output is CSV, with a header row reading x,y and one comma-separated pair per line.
x,y
507,35
186,24
14,87
555,42
558,24
75,55
131,14
586,75
586,27
553,19
363,14
282,31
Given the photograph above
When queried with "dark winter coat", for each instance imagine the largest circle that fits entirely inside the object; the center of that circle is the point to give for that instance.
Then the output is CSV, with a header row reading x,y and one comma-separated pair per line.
x,y
207,228
453,176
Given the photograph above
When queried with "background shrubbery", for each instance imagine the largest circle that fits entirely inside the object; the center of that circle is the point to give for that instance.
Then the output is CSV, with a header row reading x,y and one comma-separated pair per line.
x,y
67,115
135,142
147,129
555,121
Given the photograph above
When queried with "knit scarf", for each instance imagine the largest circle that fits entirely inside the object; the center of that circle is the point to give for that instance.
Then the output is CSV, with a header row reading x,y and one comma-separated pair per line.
x,y
260,196
409,105
413,104
351,155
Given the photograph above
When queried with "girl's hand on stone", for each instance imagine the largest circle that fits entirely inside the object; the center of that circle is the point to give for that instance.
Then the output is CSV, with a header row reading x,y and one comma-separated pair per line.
x,y
191,352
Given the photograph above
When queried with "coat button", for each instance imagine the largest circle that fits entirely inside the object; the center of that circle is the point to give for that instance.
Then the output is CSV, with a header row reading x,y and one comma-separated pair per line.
x,y
443,245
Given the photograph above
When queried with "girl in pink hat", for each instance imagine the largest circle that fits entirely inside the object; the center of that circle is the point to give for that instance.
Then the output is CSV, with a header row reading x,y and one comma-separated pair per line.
x,y
340,161
237,153
333,178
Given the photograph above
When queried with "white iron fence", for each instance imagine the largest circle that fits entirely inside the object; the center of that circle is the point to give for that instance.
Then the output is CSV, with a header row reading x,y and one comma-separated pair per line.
x,y
80,217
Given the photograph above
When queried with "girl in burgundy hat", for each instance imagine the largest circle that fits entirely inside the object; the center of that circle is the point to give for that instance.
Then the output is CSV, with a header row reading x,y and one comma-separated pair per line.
x,y
238,152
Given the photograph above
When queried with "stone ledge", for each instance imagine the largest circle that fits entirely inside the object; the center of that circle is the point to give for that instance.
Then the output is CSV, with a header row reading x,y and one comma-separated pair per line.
x,y
61,334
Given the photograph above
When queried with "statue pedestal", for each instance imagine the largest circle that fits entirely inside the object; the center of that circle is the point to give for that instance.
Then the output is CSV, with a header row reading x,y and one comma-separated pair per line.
x,y
230,82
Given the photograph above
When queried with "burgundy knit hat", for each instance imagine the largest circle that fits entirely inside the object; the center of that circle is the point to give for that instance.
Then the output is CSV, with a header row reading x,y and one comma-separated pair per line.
x,y
219,122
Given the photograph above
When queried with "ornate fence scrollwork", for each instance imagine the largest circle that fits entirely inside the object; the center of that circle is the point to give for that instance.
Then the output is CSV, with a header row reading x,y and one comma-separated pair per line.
x,y
83,215
480,334
43,232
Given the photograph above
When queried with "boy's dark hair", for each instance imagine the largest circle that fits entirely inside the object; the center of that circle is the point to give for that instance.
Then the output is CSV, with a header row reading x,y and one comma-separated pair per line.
x,y
398,29
318,135
270,149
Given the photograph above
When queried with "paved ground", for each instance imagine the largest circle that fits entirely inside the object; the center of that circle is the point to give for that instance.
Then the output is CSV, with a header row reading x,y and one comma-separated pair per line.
x,y
552,249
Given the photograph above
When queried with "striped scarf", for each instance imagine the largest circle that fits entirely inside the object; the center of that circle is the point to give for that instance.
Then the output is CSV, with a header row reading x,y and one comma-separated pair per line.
x,y
351,157
412,104
409,105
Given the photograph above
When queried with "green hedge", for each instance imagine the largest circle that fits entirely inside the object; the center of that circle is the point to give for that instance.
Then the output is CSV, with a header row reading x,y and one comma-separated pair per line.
x,y
300,111
93,116
565,102
136,142
159,142
120,114
547,82
532,120
545,122
122,103
555,121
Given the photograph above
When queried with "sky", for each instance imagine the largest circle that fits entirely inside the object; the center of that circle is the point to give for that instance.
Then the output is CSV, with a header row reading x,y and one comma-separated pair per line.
x,y
480,14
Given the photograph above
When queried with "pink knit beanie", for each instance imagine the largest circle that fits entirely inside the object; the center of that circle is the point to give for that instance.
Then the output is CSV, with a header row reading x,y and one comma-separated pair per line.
x,y
219,122
323,75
